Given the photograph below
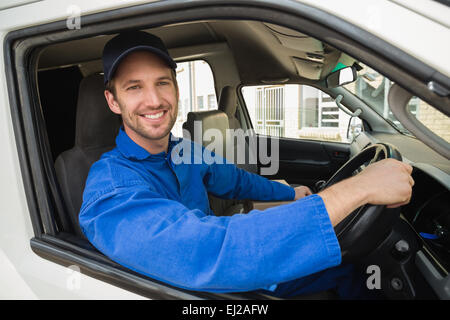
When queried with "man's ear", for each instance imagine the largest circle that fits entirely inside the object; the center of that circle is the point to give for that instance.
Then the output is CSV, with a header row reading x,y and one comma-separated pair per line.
x,y
112,103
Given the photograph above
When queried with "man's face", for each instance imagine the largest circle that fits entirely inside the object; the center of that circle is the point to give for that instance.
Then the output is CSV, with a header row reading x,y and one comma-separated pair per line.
x,y
146,96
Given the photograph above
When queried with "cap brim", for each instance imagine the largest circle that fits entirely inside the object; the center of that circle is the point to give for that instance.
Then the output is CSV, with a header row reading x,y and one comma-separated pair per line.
x,y
156,51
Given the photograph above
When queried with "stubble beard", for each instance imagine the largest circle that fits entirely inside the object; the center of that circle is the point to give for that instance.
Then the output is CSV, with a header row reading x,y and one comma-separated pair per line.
x,y
144,130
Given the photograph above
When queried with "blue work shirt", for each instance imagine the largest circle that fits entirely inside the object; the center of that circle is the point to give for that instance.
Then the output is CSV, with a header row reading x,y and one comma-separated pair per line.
x,y
151,214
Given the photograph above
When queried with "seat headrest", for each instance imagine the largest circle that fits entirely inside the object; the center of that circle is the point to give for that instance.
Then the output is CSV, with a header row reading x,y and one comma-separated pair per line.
x,y
228,101
211,119
96,124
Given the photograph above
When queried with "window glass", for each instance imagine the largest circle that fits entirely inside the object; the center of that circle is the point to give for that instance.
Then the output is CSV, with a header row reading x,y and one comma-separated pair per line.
x,y
297,111
212,103
431,118
196,85
373,88
200,104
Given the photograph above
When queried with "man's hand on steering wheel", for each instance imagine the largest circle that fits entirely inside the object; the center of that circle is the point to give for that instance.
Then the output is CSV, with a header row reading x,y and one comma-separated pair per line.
x,y
390,182
386,182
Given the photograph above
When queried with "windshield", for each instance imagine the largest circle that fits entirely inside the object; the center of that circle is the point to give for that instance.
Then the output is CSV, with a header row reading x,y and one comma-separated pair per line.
x,y
373,88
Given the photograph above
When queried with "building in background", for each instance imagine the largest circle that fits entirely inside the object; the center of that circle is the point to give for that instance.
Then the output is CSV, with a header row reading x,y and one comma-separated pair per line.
x,y
295,111
197,93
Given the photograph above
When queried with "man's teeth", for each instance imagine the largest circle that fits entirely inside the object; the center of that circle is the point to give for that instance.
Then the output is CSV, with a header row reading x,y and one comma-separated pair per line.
x,y
154,116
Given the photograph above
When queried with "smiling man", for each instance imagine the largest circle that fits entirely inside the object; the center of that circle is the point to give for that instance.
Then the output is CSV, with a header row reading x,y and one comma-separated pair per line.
x,y
153,216
145,92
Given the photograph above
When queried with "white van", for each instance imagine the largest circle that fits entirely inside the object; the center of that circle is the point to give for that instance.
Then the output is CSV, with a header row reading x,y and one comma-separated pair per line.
x,y
272,59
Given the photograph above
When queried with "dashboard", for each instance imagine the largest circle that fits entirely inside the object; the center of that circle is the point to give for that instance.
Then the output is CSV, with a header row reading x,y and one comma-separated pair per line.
x,y
429,214
418,253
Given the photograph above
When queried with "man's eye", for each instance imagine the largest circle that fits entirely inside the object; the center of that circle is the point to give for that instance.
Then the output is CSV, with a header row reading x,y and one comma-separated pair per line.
x,y
133,87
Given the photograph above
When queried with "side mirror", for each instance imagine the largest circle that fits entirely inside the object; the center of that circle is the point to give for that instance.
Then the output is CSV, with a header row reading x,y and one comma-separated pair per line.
x,y
341,77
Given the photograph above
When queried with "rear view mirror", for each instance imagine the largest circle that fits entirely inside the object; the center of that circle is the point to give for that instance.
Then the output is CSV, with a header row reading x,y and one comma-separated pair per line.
x,y
341,77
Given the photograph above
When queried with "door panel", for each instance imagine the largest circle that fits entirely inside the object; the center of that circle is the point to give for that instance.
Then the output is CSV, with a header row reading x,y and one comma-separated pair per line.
x,y
305,161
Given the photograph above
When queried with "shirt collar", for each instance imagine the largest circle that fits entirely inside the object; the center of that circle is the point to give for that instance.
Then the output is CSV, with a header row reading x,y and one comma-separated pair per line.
x,y
132,150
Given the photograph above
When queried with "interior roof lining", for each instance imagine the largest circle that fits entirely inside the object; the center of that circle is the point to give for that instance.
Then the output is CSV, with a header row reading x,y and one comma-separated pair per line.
x,y
89,49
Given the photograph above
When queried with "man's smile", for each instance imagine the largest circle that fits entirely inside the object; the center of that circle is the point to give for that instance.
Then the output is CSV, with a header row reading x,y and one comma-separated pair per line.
x,y
155,116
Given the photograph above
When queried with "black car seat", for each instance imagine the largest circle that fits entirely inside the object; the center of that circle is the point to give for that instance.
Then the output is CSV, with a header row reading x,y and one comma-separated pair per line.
x,y
95,132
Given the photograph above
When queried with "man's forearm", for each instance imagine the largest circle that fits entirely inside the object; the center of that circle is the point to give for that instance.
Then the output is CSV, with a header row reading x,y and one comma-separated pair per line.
x,y
343,197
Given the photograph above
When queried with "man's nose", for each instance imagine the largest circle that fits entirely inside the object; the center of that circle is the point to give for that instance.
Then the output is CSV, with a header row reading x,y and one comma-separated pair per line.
x,y
152,97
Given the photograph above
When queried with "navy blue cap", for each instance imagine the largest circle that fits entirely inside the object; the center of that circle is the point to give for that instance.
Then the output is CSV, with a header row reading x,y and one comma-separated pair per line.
x,y
123,44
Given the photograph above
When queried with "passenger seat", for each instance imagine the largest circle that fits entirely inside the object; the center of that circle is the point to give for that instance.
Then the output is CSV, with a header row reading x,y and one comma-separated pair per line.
x,y
215,119
228,104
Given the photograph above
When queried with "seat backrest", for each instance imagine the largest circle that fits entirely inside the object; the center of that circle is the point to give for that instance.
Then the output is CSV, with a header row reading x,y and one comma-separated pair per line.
x,y
96,129
196,125
228,104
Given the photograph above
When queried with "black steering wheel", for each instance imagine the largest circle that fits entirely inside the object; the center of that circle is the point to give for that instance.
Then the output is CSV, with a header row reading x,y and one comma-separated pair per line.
x,y
366,227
